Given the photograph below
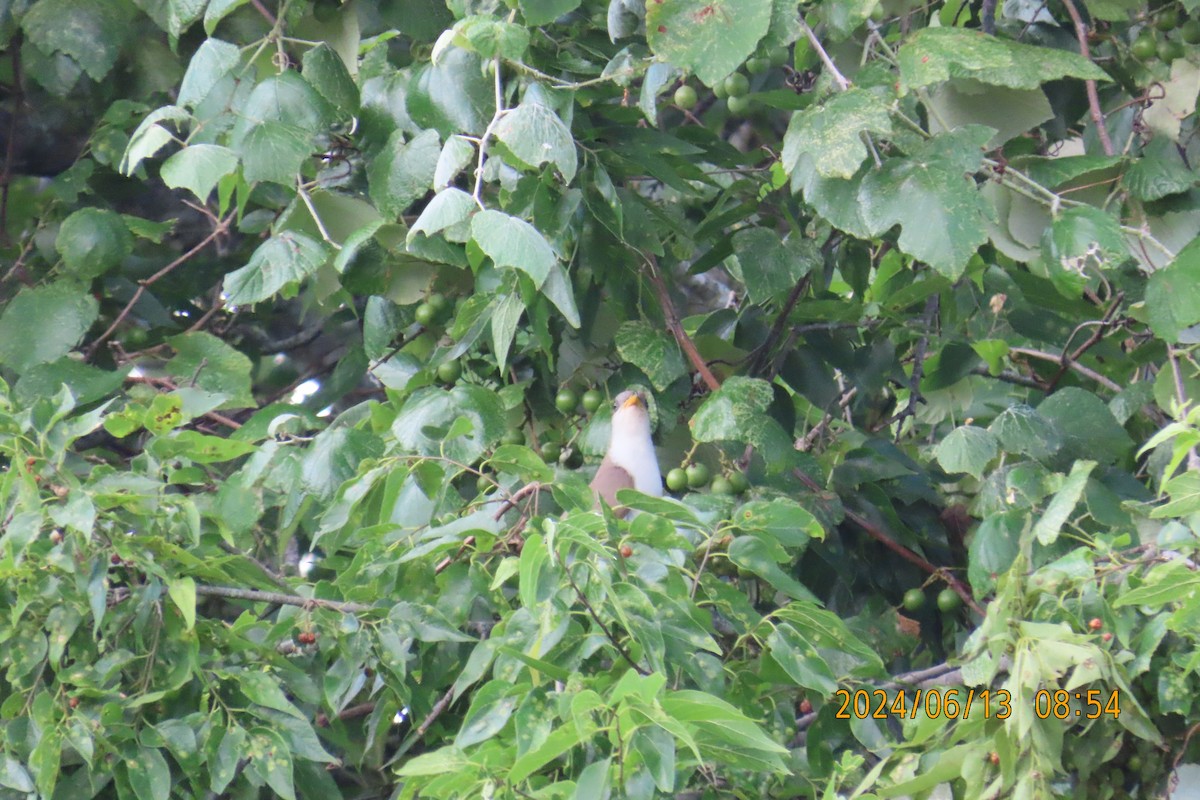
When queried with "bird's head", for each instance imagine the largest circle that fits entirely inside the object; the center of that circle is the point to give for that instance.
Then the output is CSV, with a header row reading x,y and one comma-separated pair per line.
x,y
631,414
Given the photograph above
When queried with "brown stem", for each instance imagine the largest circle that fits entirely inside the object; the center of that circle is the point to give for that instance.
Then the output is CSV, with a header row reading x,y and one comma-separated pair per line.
x,y
220,229
1041,355
676,328
360,710
256,596
1081,33
878,535
1102,328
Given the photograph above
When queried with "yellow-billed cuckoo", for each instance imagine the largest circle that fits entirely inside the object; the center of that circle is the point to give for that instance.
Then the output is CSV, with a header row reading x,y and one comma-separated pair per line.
x,y
630,462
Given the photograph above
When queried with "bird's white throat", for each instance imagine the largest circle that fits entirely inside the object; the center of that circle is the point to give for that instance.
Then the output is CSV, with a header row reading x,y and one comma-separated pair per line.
x,y
632,449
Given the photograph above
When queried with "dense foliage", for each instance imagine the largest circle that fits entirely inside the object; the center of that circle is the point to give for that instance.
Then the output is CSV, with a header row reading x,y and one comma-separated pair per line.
x,y
310,313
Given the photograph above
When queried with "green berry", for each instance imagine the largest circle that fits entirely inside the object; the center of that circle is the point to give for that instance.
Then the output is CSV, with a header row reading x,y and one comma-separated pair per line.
x,y
513,436
449,372
740,484
757,66
484,483
566,401
425,314
592,400
1169,50
551,451
778,57
1167,19
677,480
737,85
719,90
1144,47
721,485
697,475
914,600
948,601
686,97
1190,31
438,302
738,105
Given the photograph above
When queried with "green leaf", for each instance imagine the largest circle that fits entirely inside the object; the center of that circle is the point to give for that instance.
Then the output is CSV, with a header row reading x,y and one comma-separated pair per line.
x,y
150,137
263,688
92,241
753,554
72,310
325,71
283,260
652,351
933,55
994,547
711,39
779,519
543,12
1160,172
334,458
1021,429
451,96
45,760
535,135
993,352
966,449
213,365
770,266
213,62
149,774
438,762
198,168
90,32
1010,112
403,172
219,9
1063,503
1166,583
223,758
1184,491
1173,294
512,242
274,151
833,133
271,757
737,412
491,706
449,208
199,447
1088,427
656,746
800,660
422,424
182,592
931,197
489,37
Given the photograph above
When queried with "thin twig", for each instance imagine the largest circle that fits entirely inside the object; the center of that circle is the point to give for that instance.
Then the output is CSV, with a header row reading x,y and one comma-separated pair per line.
x,y
216,232
438,709
763,350
676,328
918,370
477,194
608,634
360,710
838,77
1081,33
279,598
1100,329
1182,397
878,535
1042,355
1011,377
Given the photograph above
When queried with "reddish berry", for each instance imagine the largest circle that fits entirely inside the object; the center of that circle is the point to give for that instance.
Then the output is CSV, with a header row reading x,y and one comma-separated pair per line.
x,y
115,560
1106,636
73,702
626,551
805,706
1095,623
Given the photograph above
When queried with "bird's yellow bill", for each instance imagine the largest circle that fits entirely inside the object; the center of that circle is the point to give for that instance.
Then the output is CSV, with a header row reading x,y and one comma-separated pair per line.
x,y
632,400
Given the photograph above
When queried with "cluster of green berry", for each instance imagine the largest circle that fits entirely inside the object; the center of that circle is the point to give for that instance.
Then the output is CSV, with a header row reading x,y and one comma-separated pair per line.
x,y
1166,36
735,89
948,600
697,476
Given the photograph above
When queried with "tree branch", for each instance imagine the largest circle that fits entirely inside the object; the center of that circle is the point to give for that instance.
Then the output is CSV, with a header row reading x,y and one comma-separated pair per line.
x,y
676,328
1081,33
255,596
1042,355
